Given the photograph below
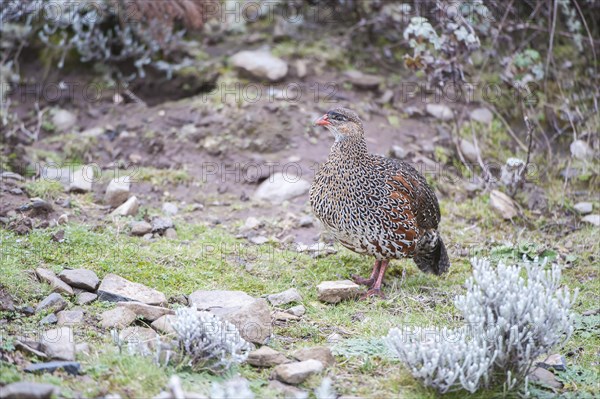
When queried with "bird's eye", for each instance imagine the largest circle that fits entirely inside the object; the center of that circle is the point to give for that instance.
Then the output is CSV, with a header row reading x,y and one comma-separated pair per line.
x,y
337,117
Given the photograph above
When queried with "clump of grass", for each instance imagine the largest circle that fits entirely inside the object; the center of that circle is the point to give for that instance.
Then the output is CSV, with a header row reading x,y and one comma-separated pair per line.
x,y
44,188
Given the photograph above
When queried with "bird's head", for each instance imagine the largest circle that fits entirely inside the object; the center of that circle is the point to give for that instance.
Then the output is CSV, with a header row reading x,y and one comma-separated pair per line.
x,y
343,123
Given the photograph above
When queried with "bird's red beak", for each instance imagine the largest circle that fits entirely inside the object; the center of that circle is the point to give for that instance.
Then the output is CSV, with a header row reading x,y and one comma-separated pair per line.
x,y
323,121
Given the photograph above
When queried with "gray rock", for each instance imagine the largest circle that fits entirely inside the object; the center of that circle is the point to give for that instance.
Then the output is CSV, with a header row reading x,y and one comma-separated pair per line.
x,y
28,390
229,300
138,335
251,223
581,150
592,219
81,180
140,228
468,150
93,132
69,317
320,353
258,240
288,391
503,204
117,289
7,304
482,115
128,208
11,176
298,310
145,311
298,372
253,321
72,368
305,221
363,80
58,343
285,297
119,317
117,192
164,324
266,357
80,278
260,64
584,207
53,302
170,209
301,68
280,187
545,377
57,284
336,291
86,297
49,319
399,152
64,120
160,225
284,316
171,234
440,111
556,361
63,219
570,173
83,347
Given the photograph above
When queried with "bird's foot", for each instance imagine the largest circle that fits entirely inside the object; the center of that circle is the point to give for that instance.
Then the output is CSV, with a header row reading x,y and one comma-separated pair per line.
x,y
362,281
372,293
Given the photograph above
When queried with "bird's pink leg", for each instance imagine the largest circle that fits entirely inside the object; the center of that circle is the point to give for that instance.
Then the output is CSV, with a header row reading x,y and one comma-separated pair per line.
x,y
376,288
368,281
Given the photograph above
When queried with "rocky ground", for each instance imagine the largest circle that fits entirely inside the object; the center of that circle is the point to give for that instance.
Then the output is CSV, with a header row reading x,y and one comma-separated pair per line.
x,y
133,210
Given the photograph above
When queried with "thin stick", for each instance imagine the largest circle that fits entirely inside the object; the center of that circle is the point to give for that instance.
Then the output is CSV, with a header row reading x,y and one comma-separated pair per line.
x,y
551,44
508,128
529,126
587,29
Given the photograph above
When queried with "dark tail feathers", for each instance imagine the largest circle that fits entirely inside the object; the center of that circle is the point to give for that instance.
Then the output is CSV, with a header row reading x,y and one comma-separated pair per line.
x,y
431,255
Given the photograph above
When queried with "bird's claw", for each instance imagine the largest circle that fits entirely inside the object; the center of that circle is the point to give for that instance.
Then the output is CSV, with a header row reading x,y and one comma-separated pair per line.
x,y
362,281
372,293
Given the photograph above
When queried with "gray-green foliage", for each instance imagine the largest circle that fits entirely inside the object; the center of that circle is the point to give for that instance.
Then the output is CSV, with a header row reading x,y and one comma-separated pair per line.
x,y
509,321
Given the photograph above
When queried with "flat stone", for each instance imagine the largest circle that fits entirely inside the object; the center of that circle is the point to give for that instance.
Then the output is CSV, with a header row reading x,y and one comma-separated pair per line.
x,y
482,115
320,353
592,219
260,64
11,176
148,312
138,335
69,317
80,278
119,317
468,150
231,300
336,291
288,391
82,347
283,298
298,310
503,204
584,207
57,284
58,343
81,180
140,228
86,297
266,357
171,234
128,208
545,377
72,368
440,111
253,321
54,302
28,390
281,187
285,316
556,361
117,192
251,223
49,319
298,372
399,152
362,80
164,324
7,303
306,221
117,289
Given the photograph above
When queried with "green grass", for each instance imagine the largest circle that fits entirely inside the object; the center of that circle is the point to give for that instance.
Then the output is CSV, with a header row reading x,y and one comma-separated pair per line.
x,y
209,258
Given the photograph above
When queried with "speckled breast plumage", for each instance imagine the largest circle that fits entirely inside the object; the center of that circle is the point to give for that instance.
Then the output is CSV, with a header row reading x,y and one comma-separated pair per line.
x,y
374,205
